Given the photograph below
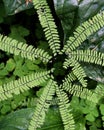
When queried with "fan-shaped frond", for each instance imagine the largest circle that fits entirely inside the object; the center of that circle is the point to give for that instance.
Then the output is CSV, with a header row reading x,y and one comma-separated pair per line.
x,y
82,32
43,105
90,56
66,115
23,84
24,50
47,22
77,70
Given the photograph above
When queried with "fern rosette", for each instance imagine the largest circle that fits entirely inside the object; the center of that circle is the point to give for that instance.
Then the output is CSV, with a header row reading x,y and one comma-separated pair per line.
x,y
75,81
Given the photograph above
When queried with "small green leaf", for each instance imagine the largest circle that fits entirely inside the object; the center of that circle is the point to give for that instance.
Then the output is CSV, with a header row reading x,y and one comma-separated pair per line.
x,y
85,110
24,68
18,59
3,72
95,112
18,72
5,109
17,99
31,66
38,93
1,65
6,79
37,61
93,128
19,32
102,109
1,82
80,126
103,118
10,65
75,101
26,93
90,117
13,105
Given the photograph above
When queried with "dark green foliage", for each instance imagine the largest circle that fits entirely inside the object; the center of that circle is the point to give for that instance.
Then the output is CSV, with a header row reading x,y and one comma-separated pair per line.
x,y
23,116
15,6
60,79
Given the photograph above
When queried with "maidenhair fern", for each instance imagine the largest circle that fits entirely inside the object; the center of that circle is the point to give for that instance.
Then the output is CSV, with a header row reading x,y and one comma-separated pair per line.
x,y
67,117
48,24
23,84
77,70
91,56
17,48
83,31
43,105
74,82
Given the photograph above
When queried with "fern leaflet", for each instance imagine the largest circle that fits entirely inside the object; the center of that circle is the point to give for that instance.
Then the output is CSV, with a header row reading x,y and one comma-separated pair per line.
x,y
23,84
83,31
100,90
90,56
47,22
77,70
67,117
43,105
81,92
70,78
18,48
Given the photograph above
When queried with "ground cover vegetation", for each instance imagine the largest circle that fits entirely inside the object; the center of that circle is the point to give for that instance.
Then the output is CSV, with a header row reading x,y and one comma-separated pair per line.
x,y
51,69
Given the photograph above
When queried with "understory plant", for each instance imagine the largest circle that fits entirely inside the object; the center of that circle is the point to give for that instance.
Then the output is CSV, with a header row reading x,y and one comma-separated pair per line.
x,y
71,79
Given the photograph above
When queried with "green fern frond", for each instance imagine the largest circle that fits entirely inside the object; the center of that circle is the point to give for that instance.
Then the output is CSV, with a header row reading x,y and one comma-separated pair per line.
x,y
100,90
48,24
77,70
24,50
90,56
23,84
82,32
43,105
66,115
69,78
81,92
